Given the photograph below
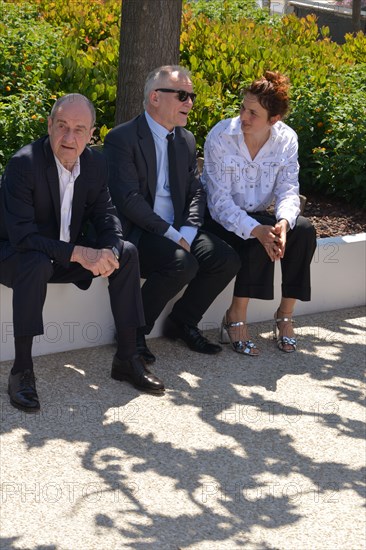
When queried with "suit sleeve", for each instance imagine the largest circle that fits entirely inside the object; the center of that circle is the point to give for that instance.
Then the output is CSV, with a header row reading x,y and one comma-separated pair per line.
x,y
100,210
126,183
20,216
129,186
196,196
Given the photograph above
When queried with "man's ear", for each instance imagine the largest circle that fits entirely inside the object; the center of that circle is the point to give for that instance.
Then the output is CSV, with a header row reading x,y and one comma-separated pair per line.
x,y
49,124
154,97
91,133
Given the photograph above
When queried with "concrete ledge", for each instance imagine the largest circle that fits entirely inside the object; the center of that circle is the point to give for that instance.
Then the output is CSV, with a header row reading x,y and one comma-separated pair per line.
x,y
79,319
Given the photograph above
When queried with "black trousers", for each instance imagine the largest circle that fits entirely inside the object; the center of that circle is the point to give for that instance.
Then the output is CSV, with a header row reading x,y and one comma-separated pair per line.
x,y
167,267
28,274
255,277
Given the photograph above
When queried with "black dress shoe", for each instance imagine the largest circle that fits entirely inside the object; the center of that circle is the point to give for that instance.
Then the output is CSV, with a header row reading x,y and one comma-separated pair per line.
x,y
192,336
22,391
134,370
143,350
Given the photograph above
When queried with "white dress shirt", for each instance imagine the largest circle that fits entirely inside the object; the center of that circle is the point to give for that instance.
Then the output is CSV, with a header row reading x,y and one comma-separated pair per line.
x,y
66,183
236,185
163,205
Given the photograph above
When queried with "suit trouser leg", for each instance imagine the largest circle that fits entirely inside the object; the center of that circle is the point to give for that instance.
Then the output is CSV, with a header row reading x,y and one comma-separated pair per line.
x,y
124,286
218,264
167,268
124,292
27,273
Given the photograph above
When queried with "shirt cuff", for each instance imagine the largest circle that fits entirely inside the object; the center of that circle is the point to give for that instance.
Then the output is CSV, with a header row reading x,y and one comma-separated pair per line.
x,y
188,233
289,218
250,224
173,234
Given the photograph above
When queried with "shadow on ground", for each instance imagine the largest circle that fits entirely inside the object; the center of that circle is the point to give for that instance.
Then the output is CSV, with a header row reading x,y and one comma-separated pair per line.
x,y
221,445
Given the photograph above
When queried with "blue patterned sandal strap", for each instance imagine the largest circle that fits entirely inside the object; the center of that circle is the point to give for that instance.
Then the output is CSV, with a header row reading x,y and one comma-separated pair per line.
x,y
286,341
244,347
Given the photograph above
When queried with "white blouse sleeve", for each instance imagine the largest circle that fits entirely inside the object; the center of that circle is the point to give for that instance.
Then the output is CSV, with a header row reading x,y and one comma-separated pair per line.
x,y
286,188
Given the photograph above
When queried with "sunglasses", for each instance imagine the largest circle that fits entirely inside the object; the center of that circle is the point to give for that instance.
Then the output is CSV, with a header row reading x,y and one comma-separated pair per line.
x,y
182,94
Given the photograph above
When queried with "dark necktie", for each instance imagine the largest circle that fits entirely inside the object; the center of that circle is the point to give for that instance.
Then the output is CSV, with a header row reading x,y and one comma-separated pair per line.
x,y
173,177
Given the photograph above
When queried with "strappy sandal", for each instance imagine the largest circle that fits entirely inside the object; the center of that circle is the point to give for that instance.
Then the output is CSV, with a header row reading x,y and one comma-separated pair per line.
x,y
283,341
246,347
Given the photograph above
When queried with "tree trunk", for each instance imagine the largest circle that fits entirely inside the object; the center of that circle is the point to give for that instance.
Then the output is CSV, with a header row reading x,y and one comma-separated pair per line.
x,y
150,32
356,15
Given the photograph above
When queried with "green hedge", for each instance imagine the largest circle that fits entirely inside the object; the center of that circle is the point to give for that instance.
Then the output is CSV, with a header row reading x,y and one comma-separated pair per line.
x,y
331,125
28,48
52,47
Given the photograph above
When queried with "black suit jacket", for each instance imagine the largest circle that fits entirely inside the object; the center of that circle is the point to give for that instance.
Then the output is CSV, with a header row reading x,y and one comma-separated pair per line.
x,y
30,204
131,155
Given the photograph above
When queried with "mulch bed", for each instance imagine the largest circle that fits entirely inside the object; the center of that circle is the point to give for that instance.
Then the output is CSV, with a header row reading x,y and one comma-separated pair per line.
x,y
333,218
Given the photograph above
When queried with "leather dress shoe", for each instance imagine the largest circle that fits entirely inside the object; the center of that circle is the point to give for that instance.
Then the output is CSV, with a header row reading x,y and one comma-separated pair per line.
x,y
143,350
192,336
134,370
22,391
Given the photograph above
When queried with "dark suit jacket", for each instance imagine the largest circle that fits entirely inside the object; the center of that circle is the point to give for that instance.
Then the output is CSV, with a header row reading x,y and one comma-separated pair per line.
x,y
30,204
130,151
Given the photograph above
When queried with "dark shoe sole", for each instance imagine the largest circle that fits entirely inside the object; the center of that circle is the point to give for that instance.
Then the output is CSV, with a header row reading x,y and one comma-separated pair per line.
x,y
125,378
213,352
30,410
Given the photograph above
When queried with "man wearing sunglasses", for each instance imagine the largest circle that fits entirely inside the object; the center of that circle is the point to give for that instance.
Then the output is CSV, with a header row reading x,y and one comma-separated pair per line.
x,y
155,186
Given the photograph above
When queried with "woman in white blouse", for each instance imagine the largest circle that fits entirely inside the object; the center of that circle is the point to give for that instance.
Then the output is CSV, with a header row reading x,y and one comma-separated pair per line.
x,y
251,161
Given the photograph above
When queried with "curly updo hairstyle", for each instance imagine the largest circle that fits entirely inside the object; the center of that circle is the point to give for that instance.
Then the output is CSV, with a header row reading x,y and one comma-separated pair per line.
x,y
271,90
